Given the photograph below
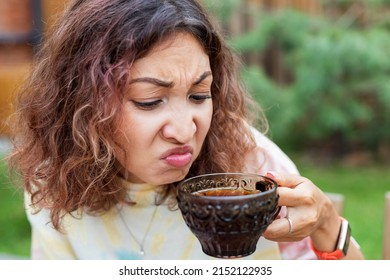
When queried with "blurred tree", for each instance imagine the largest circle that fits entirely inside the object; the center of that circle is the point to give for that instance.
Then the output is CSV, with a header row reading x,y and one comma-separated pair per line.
x,y
322,80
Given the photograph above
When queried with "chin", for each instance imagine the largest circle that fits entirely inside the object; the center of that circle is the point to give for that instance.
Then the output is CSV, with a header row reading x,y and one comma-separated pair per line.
x,y
171,177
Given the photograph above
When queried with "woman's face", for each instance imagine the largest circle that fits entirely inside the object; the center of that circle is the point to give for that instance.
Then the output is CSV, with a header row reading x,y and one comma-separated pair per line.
x,y
166,112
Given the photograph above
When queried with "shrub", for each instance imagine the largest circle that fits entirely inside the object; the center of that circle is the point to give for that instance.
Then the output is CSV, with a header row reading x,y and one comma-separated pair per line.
x,y
335,87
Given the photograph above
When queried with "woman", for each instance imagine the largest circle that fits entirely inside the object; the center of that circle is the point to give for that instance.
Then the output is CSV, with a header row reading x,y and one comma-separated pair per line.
x,y
127,99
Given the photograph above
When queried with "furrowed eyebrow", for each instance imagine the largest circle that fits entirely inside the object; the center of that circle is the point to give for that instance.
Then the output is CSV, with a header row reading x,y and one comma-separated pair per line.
x,y
166,84
202,77
154,81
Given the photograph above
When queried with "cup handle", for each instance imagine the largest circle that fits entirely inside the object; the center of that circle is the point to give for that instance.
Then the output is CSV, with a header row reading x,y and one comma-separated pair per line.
x,y
276,213
277,210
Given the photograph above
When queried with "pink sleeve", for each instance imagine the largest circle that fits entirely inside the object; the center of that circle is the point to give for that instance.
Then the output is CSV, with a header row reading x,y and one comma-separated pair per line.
x,y
299,250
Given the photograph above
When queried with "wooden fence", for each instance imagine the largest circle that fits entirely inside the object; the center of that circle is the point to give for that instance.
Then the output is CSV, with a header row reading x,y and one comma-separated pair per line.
x,y
245,17
16,29
358,9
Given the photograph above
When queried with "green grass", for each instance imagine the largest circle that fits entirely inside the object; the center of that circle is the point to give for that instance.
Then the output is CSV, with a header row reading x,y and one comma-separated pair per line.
x,y
15,230
363,189
364,193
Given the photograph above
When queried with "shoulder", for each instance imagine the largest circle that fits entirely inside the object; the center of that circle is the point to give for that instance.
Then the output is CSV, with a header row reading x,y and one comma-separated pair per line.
x,y
268,156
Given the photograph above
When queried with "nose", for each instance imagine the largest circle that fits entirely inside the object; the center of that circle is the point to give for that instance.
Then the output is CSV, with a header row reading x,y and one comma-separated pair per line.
x,y
180,125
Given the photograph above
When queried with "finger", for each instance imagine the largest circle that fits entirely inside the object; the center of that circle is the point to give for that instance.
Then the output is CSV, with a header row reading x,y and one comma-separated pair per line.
x,y
289,193
286,180
289,197
277,230
285,229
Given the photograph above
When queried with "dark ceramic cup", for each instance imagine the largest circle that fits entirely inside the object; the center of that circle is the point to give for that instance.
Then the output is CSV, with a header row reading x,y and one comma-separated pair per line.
x,y
228,212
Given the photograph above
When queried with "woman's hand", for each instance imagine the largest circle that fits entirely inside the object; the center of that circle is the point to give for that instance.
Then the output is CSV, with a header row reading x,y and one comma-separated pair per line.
x,y
309,213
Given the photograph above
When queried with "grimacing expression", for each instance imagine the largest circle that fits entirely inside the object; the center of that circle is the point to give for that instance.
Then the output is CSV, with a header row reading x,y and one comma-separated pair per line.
x,y
166,112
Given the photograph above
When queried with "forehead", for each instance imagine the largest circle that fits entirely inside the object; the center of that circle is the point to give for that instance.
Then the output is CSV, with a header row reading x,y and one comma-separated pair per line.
x,y
179,51
176,41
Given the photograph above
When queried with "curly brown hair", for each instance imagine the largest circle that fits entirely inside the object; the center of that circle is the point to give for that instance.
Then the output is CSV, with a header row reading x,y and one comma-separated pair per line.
x,y
68,110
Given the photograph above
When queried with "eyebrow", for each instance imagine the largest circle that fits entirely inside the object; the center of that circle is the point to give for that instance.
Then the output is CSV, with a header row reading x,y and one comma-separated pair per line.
x,y
166,84
202,77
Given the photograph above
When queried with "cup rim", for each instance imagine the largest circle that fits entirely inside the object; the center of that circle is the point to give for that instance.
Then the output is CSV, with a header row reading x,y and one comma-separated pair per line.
x,y
273,189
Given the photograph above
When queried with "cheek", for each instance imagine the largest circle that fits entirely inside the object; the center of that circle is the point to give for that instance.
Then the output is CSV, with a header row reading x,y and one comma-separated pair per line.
x,y
123,141
136,147
129,135
137,134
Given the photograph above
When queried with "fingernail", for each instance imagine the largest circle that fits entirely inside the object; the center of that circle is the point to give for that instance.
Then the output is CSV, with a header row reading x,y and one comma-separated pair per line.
x,y
271,174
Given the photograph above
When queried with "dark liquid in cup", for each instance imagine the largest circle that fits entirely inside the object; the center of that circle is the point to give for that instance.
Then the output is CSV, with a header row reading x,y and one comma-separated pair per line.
x,y
225,192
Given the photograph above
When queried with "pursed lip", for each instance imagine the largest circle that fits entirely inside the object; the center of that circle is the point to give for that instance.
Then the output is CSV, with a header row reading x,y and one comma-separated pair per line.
x,y
179,156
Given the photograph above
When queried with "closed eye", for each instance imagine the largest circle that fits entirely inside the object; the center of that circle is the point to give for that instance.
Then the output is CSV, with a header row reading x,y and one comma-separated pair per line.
x,y
199,98
148,105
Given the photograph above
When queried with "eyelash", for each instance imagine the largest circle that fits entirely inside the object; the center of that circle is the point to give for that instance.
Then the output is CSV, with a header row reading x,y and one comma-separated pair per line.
x,y
150,105
147,105
199,98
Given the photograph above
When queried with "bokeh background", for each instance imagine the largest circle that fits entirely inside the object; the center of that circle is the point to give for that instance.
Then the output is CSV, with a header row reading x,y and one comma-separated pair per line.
x,y
319,68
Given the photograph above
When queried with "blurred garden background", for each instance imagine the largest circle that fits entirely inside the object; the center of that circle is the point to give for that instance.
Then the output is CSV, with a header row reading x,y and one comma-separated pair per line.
x,y
319,68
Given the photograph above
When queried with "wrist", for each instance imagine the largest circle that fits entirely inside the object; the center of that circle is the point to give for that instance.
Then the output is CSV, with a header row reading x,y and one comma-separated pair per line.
x,y
342,243
325,237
